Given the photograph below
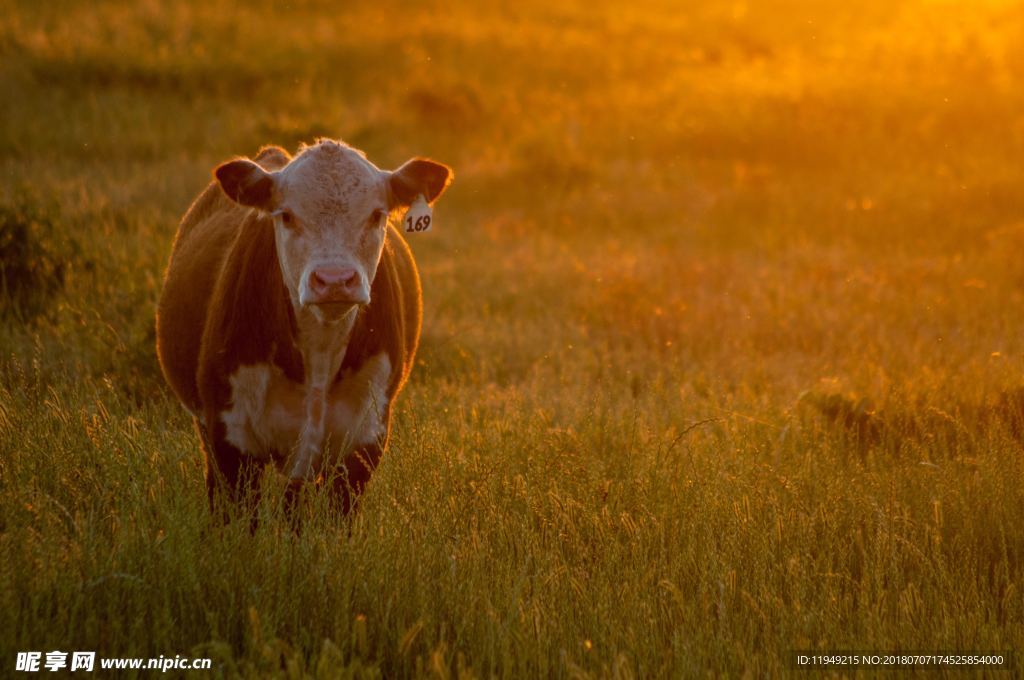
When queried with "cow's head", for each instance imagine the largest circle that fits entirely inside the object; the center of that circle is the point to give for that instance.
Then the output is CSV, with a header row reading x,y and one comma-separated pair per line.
x,y
330,207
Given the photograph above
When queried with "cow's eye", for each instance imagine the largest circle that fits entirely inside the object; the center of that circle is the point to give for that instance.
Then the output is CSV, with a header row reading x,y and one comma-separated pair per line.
x,y
377,218
287,219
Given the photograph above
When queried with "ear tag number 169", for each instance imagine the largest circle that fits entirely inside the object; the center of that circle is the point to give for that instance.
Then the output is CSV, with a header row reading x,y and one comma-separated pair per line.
x,y
419,216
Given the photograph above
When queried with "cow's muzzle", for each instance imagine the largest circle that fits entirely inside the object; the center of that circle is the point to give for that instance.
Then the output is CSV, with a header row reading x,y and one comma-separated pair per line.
x,y
337,286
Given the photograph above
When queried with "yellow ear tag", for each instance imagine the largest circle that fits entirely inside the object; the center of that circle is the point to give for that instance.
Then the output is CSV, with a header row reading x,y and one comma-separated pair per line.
x,y
419,217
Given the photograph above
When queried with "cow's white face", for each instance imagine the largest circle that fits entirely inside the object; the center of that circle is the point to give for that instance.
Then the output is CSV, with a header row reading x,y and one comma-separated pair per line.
x,y
330,207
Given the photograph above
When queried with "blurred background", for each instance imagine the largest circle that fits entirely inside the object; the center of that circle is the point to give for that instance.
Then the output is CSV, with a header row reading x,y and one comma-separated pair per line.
x,y
812,186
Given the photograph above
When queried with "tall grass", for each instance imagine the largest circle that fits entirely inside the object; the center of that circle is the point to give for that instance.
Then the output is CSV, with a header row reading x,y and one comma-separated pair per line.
x,y
721,349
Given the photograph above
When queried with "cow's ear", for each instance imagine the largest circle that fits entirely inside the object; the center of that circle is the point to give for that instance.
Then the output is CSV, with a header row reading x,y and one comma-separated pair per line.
x,y
419,176
246,183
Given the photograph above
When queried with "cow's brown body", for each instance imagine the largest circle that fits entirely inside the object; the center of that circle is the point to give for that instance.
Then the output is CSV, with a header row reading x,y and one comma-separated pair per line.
x,y
224,306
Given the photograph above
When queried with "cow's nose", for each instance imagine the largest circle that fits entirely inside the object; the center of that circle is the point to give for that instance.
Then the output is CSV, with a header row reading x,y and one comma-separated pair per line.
x,y
334,284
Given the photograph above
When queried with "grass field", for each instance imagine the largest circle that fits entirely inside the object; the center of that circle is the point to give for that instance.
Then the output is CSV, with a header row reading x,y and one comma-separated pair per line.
x,y
723,350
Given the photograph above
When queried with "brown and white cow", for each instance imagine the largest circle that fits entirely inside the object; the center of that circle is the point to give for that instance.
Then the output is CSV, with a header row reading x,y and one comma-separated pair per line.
x,y
291,313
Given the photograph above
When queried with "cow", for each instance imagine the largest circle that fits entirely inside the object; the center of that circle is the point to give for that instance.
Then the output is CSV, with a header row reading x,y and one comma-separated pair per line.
x,y
290,316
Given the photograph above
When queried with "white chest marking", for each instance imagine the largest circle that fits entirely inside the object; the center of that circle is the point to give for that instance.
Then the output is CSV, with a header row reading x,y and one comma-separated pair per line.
x,y
270,414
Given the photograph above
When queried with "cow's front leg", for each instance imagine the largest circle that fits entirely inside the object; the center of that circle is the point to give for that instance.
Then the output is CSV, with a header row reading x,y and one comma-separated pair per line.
x,y
311,440
350,421
232,477
361,417
308,453
353,474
